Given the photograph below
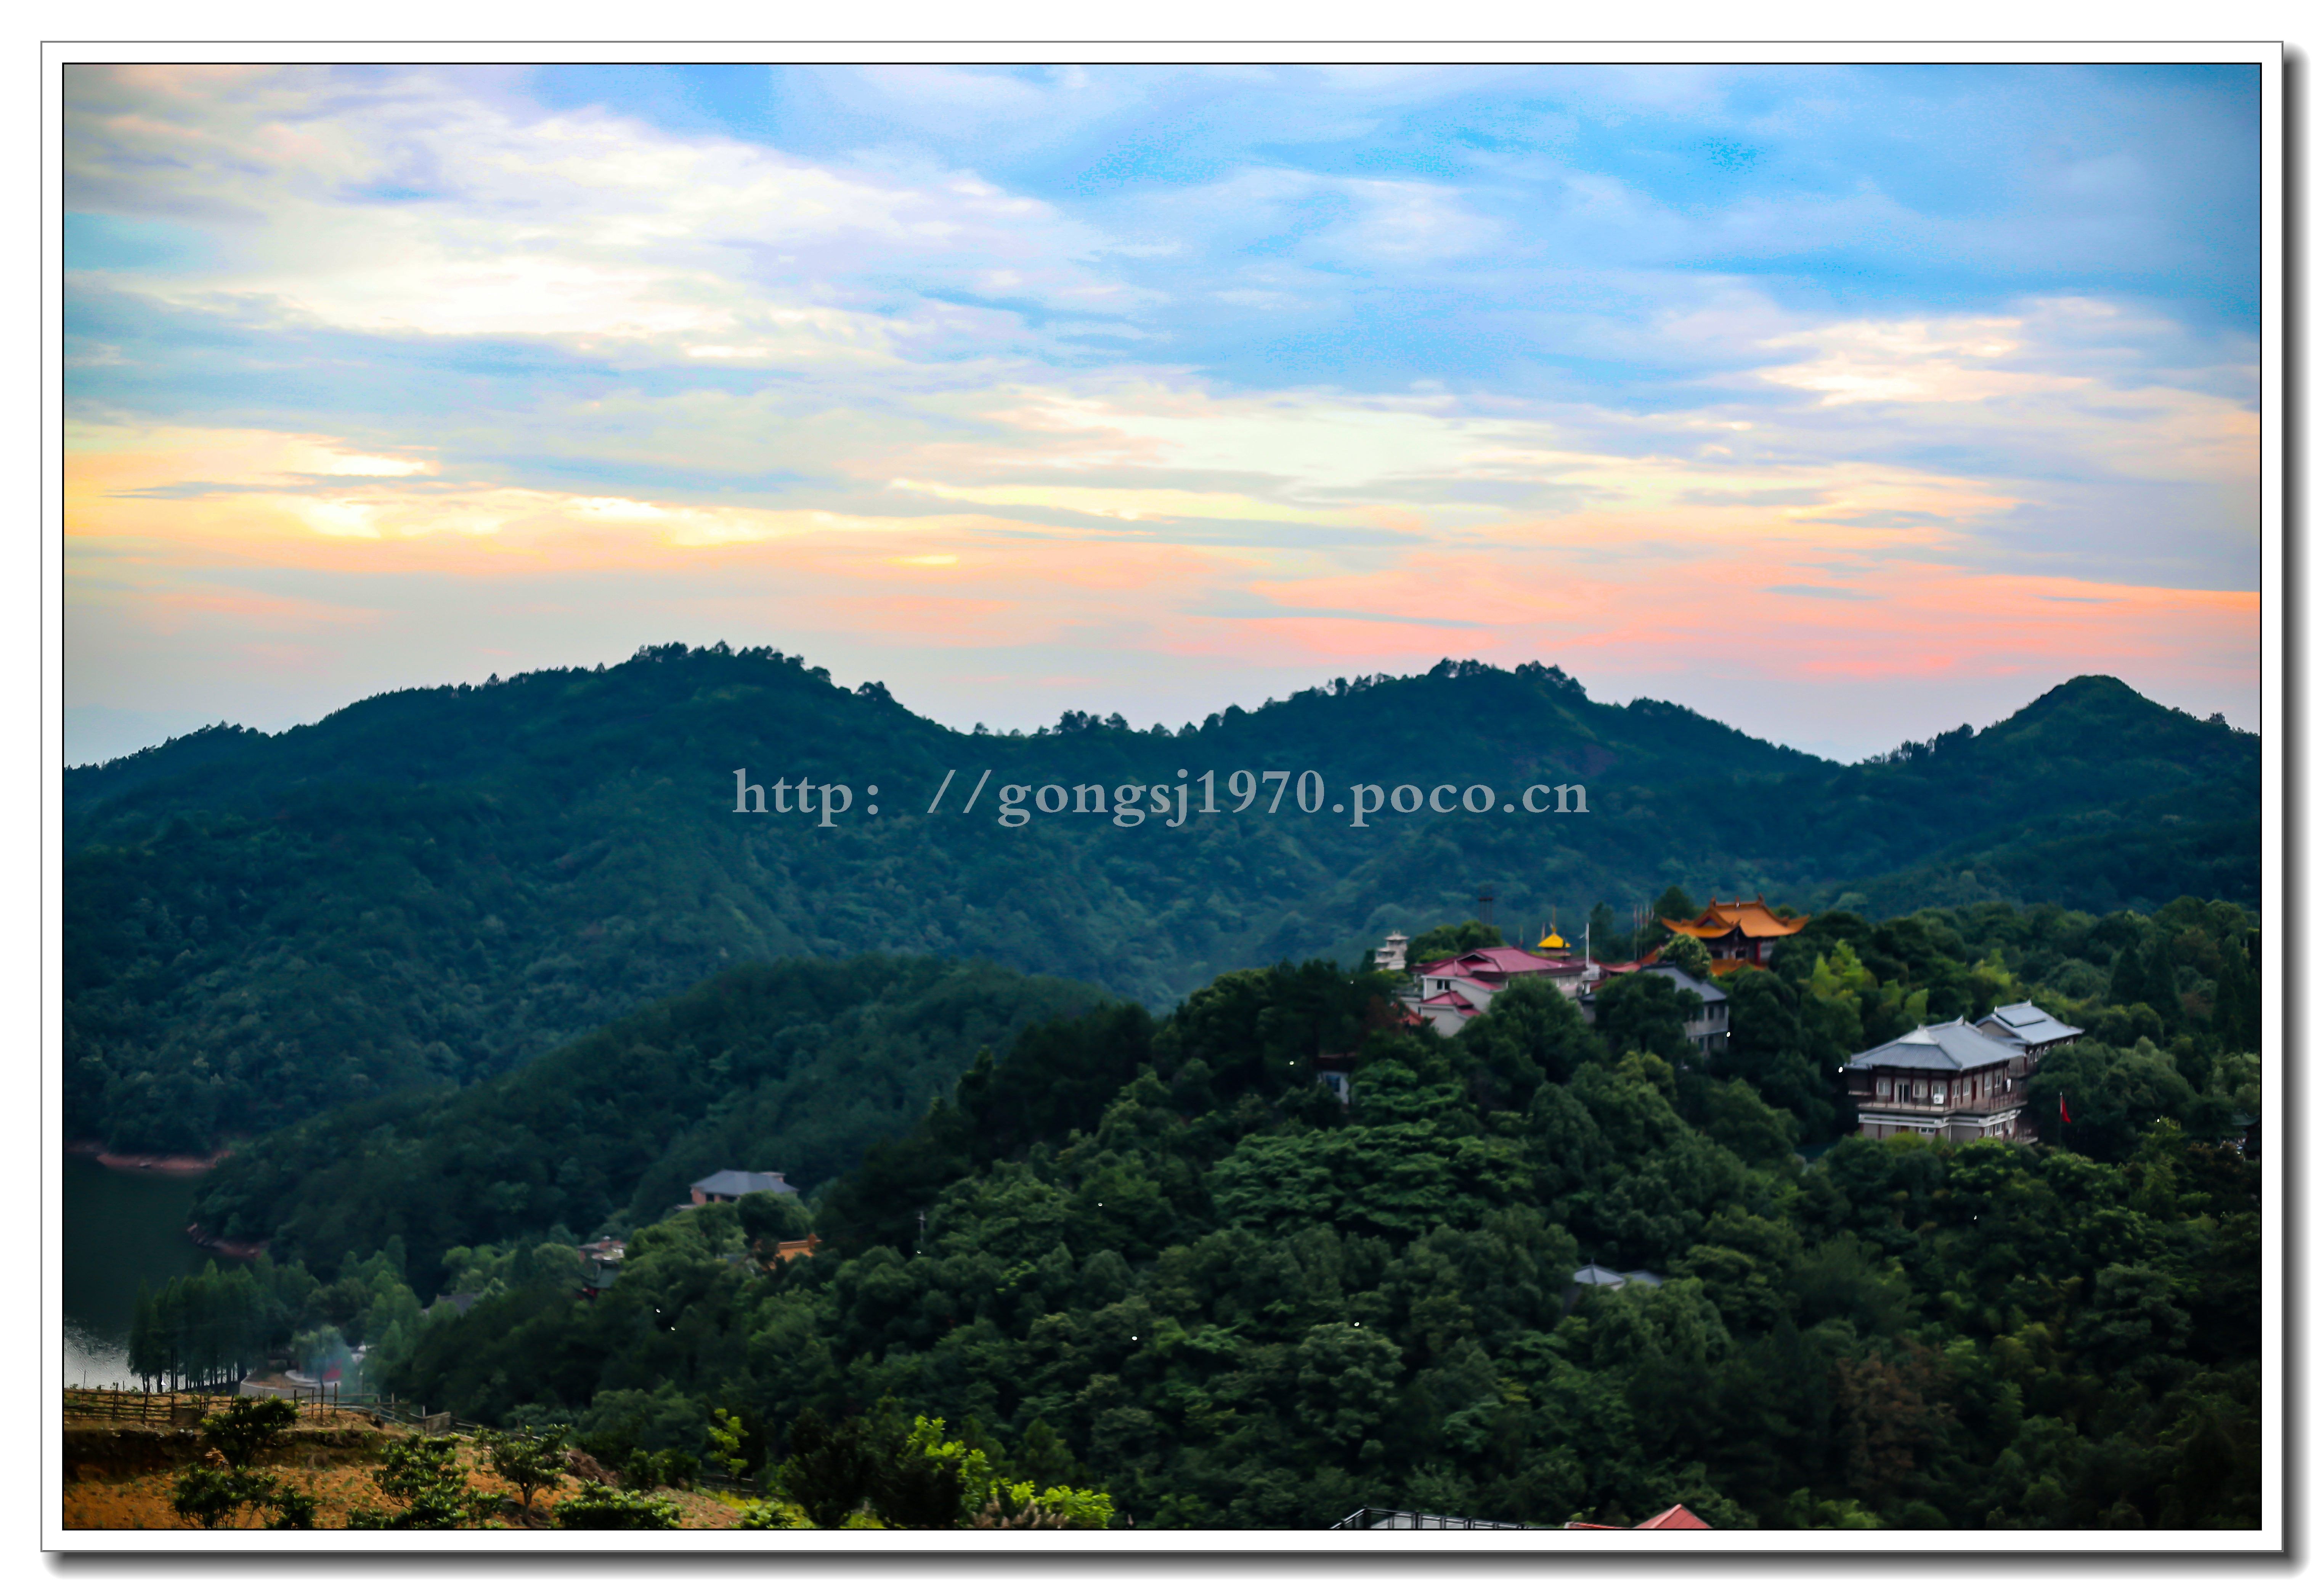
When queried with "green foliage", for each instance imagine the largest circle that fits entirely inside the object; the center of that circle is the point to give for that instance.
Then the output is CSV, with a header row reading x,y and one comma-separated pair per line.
x,y
214,1490
798,1066
1201,1293
211,1496
216,1324
599,1508
1688,955
729,1440
424,1475
877,1467
246,1428
1450,940
527,1461
1646,1012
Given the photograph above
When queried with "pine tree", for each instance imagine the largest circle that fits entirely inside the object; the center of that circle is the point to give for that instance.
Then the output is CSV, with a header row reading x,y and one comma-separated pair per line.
x,y
2162,980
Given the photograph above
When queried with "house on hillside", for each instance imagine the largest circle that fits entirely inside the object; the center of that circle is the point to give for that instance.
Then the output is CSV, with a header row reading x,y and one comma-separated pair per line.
x,y
1594,1276
1450,991
1707,1028
1957,1081
730,1186
2031,1027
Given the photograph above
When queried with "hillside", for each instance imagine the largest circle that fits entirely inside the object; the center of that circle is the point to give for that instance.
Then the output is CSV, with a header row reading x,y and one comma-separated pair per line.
x,y
1158,1260
431,886
797,1067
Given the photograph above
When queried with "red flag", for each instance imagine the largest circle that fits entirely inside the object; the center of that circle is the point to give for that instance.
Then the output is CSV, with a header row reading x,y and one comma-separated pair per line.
x,y
2064,1115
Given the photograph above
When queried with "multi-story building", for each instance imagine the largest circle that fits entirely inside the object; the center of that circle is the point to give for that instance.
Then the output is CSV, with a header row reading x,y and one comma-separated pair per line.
x,y
1955,1081
1451,991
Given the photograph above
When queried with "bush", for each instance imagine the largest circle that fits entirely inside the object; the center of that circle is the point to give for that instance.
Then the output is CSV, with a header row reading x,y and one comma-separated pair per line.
x,y
599,1508
426,1476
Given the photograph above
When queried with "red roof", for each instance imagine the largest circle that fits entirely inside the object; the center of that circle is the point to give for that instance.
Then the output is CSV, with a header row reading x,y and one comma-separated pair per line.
x,y
1487,962
1676,1515
1648,960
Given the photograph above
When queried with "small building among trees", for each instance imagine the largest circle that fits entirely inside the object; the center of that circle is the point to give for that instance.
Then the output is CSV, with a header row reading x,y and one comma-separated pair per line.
x,y
730,1186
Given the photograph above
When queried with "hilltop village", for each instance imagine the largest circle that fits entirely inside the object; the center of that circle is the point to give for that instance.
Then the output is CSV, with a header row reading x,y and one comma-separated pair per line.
x,y
1957,1081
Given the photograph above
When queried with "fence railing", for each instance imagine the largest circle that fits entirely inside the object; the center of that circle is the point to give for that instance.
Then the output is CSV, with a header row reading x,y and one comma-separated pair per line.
x,y
1376,1515
186,1407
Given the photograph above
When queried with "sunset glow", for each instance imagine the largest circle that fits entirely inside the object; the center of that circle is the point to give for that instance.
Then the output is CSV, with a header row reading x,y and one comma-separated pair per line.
x,y
1153,390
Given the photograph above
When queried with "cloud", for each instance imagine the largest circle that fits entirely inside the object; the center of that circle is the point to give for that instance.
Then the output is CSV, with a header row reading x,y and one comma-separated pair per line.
x,y
1242,368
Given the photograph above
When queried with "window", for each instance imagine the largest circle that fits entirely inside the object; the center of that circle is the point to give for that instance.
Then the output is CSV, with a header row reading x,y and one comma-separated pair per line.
x,y
1920,1089
1937,1094
1883,1088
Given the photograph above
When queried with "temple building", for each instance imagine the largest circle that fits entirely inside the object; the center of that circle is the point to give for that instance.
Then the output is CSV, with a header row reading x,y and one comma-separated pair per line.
x,y
1955,1081
1451,991
1736,934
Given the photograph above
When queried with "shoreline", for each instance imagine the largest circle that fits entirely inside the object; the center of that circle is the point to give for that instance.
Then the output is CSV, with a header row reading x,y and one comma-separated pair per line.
x,y
239,1249
175,1166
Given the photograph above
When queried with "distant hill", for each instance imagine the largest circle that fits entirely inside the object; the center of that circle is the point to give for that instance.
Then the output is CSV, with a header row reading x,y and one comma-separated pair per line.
x,y
795,1067
431,886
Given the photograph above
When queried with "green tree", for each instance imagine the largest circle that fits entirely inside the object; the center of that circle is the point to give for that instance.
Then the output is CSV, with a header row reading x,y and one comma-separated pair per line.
x,y
213,1496
1601,940
246,1428
216,1489
599,1508
528,1461
424,1475
1688,955
1646,1012
1450,940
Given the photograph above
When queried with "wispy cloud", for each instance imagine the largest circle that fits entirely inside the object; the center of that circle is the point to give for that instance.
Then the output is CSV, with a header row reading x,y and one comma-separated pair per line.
x,y
1263,372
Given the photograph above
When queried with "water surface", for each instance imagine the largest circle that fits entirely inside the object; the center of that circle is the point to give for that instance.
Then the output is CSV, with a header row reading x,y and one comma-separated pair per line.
x,y
120,1229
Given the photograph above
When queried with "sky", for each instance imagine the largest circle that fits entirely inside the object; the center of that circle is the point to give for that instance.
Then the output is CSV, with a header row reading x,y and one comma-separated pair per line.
x,y
1844,404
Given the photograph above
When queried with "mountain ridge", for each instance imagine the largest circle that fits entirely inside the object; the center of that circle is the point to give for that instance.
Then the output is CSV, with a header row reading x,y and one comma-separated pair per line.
x,y
432,885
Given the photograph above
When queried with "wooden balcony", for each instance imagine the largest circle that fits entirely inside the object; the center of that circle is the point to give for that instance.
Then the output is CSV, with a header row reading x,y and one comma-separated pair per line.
x,y
1960,1106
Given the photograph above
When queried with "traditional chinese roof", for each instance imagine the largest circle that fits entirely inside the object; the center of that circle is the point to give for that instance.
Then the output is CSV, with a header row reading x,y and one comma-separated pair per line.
x,y
1502,961
1554,941
2028,1023
1942,1047
1754,918
1597,1278
735,1185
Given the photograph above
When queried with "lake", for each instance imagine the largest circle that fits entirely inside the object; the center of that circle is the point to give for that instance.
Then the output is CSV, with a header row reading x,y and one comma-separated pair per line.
x,y
121,1230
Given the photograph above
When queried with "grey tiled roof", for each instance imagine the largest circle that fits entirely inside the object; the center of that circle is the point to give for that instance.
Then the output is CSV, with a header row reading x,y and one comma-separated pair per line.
x,y
2029,1023
1943,1048
738,1185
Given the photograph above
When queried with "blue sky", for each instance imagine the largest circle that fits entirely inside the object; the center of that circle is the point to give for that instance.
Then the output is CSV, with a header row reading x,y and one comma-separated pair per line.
x,y
1152,389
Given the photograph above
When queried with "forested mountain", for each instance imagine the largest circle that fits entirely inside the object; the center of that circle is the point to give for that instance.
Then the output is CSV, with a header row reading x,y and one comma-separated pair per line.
x,y
795,1067
1163,1258
431,886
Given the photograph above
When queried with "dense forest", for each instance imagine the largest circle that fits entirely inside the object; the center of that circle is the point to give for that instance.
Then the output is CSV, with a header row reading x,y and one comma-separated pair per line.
x,y
429,887
1163,1258
794,1067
